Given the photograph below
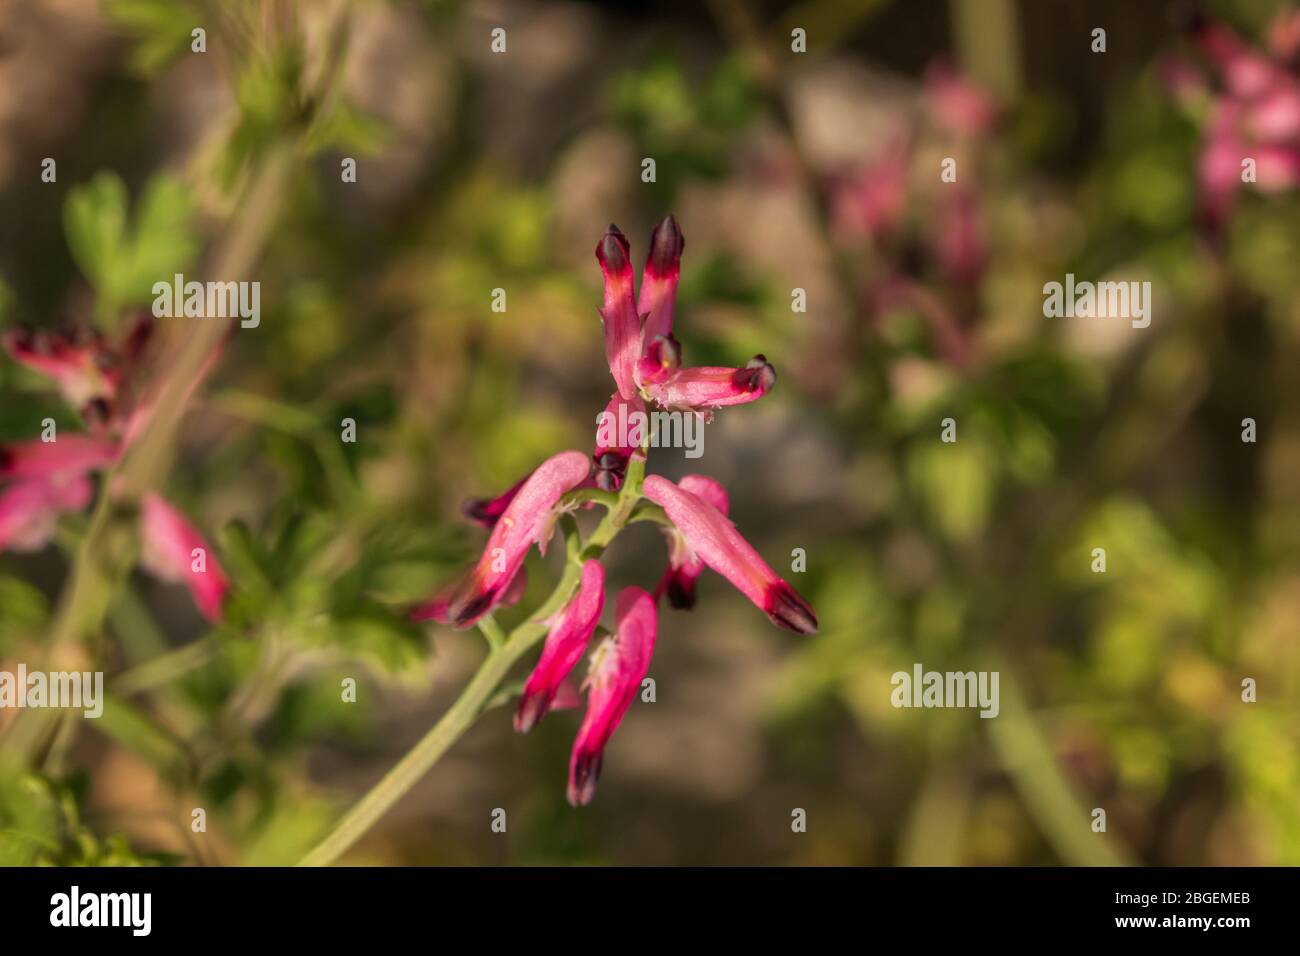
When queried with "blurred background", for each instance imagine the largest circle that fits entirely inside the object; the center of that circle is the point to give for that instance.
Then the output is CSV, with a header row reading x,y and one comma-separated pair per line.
x,y
786,170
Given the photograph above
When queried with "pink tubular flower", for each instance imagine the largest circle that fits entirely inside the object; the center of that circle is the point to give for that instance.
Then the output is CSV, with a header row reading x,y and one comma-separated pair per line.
x,y
712,387
659,281
29,509
69,455
570,632
617,669
684,566
1254,113
528,520
175,551
622,325
717,543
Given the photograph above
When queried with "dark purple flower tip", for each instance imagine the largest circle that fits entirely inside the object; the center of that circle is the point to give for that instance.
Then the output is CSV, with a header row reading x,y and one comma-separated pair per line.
x,y
611,468
666,245
681,591
758,375
464,615
583,777
614,252
789,610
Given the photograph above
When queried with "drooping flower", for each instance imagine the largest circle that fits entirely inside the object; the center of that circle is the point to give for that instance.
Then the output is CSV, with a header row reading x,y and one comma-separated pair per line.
x,y
716,542
567,638
618,666
527,520
174,550
684,565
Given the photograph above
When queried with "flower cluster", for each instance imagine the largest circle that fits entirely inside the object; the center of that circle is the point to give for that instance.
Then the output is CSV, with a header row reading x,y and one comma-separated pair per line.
x,y
645,361
42,478
1250,107
933,265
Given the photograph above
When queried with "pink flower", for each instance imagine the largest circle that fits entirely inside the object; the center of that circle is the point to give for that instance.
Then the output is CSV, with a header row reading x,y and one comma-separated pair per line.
x,y
527,520
712,387
646,360
174,551
570,632
716,542
684,565
88,371
958,105
872,200
617,669
29,509
69,455
622,325
1256,115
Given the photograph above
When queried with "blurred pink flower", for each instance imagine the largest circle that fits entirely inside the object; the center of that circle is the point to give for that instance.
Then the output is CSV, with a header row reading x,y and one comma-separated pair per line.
x,y
956,104
174,551
29,509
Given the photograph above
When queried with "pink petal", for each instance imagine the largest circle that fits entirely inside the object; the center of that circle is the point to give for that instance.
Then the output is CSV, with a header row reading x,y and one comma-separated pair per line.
x,y
69,455
659,280
957,104
29,509
528,520
684,566
717,543
714,387
622,325
170,543
565,643
620,431
618,667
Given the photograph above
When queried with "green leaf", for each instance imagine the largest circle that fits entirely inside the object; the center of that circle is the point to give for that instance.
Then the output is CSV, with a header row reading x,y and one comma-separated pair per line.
x,y
162,30
94,218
